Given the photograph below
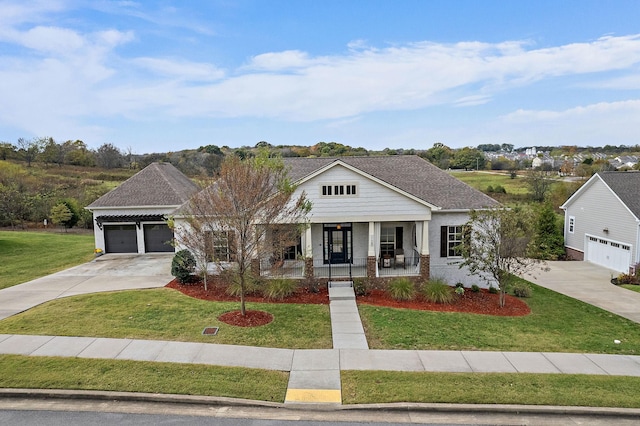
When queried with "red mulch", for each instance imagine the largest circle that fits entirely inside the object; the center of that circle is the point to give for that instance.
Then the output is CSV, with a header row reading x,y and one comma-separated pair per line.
x,y
250,319
481,302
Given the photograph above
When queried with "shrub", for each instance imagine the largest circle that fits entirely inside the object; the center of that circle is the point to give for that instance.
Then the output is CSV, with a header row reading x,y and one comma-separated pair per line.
x,y
279,288
499,189
402,289
459,285
459,290
490,189
438,291
493,290
626,279
251,286
182,266
360,287
475,288
521,289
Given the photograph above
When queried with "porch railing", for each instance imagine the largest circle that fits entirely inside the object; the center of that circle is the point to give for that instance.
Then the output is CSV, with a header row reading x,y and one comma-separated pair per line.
x,y
357,268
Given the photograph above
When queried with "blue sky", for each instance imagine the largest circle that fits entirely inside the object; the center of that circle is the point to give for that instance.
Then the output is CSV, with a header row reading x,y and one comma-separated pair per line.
x,y
169,75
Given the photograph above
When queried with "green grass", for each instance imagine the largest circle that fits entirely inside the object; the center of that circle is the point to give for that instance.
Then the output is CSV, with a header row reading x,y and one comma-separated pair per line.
x,y
165,314
481,180
556,324
365,387
136,376
632,287
30,255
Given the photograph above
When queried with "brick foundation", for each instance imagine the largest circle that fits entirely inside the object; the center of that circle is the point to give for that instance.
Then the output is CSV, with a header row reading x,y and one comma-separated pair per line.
x,y
573,254
425,269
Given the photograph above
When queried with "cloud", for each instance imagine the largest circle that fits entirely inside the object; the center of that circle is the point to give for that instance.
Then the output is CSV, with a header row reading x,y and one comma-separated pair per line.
x,y
55,76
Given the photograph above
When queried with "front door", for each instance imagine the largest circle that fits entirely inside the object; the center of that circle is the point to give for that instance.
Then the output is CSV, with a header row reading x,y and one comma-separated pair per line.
x,y
337,244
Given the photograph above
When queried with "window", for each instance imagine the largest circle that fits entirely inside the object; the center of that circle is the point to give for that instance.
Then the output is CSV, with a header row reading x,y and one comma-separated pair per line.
x,y
451,238
572,224
626,247
339,190
387,241
218,246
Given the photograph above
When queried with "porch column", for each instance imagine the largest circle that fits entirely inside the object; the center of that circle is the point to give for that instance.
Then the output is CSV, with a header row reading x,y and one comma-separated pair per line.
x,y
372,271
425,258
308,253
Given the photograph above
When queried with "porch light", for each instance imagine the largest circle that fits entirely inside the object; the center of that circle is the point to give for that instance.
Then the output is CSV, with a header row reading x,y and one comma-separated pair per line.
x,y
605,230
339,226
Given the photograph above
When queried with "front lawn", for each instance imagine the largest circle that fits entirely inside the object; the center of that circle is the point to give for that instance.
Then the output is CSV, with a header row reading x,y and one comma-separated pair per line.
x,y
165,314
30,255
379,387
556,324
136,376
632,287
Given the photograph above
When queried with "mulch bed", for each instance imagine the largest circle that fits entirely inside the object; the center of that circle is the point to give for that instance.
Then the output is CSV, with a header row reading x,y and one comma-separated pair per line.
x,y
482,302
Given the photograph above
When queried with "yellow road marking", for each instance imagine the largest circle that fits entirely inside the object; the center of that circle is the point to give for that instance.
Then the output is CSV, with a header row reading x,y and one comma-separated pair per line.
x,y
313,395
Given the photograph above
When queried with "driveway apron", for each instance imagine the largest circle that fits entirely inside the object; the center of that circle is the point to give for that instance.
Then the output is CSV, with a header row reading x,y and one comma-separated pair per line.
x,y
589,283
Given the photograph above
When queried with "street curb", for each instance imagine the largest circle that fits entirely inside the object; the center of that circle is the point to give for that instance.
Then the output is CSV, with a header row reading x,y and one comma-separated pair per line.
x,y
64,394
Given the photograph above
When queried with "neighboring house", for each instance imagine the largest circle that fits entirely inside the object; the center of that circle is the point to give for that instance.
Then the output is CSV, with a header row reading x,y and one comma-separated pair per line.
x,y
375,217
132,217
602,221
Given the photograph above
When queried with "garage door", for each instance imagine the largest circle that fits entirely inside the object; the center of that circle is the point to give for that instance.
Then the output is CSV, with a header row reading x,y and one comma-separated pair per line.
x,y
120,239
157,238
609,254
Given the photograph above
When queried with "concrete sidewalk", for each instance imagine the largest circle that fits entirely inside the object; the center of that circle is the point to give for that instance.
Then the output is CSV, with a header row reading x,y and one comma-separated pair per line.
x,y
591,284
302,361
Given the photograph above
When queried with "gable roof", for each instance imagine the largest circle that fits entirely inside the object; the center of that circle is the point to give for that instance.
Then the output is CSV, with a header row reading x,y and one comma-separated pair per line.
x,y
158,184
408,173
625,186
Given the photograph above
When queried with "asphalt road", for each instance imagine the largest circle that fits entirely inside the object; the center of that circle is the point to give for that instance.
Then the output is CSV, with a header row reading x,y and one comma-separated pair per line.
x,y
54,412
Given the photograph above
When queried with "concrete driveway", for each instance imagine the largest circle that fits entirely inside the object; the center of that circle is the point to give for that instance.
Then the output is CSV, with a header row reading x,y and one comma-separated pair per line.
x,y
590,283
105,273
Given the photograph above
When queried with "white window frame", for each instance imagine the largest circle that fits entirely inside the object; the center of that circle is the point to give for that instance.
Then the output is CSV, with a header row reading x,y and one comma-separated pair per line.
x,y
571,226
339,190
454,240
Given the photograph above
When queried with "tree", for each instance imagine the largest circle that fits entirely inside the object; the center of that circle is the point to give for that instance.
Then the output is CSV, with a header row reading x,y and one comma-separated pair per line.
x,y
109,157
468,158
227,223
497,245
29,149
439,154
60,214
539,184
548,242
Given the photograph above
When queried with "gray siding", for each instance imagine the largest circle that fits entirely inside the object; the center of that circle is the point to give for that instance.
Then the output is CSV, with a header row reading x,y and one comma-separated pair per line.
x,y
446,267
595,209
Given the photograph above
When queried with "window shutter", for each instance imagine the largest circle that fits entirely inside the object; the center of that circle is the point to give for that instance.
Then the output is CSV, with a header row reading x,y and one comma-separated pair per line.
x,y
443,241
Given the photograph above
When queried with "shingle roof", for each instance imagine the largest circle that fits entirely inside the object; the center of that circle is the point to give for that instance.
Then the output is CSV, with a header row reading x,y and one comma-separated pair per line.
x,y
158,184
409,173
626,185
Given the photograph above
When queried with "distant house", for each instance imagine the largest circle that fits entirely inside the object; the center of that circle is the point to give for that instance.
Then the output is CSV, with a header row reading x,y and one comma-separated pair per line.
x,y
132,217
376,217
602,221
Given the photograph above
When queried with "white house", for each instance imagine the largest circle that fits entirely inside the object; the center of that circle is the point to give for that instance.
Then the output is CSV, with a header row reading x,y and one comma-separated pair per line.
x,y
602,221
378,217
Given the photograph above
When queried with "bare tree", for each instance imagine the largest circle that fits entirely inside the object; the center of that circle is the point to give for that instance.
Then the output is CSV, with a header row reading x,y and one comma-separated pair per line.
x,y
228,222
497,244
29,148
539,184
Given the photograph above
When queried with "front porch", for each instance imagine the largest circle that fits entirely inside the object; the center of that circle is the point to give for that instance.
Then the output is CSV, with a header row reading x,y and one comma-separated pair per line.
x,y
355,250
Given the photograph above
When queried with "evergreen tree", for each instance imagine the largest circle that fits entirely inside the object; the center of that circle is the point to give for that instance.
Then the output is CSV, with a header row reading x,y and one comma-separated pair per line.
x,y
548,241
